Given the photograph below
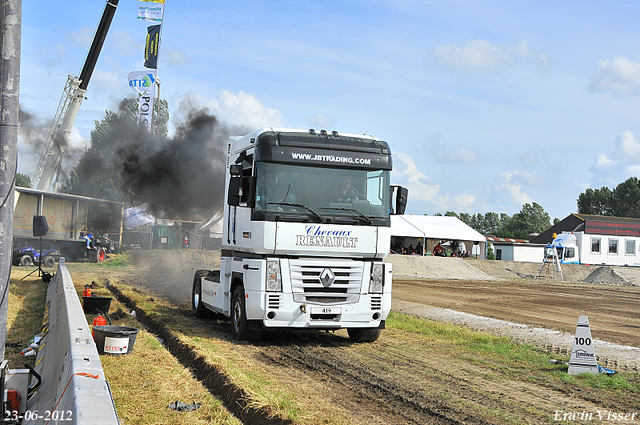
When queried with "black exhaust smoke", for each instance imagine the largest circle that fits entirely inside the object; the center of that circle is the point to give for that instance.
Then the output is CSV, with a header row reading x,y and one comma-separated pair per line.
x,y
180,175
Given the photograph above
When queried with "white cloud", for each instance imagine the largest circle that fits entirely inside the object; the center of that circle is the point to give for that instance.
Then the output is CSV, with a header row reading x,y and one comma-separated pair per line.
x,y
422,191
174,57
622,162
480,56
528,158
619,76
464,201
109,82
461,155
508,190
123,43
82,37
321,121
531,179
241,109
76,141
627,148
416,181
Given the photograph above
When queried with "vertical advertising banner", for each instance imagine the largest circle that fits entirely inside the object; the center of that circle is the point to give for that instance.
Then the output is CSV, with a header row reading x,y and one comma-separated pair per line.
x,y
151,47
142,81
145,110
150,13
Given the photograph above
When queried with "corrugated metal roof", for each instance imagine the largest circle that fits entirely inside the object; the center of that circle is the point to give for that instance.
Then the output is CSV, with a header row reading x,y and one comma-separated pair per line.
x,y
495,239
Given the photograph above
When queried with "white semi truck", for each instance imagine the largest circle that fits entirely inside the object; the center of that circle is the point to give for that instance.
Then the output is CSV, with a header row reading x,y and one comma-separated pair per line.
x,y
306,229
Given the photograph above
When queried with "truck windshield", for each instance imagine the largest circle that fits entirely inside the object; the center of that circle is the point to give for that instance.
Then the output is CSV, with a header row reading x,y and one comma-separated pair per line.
x,y
326,193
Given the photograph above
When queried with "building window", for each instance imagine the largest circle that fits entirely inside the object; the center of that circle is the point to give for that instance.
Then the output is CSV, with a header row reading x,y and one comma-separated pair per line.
x,y
595,245
631,247
498,254
613,246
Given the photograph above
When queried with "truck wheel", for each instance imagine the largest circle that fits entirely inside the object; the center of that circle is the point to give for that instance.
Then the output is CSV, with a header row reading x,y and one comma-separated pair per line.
x,y
239,323
364,335
49,261
197,308
26,260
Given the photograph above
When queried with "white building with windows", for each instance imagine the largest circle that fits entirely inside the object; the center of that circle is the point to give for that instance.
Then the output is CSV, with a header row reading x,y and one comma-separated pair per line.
x,y
591,239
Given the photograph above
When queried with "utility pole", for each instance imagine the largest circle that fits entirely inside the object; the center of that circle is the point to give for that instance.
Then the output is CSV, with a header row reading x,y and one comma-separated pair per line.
x,y
10,42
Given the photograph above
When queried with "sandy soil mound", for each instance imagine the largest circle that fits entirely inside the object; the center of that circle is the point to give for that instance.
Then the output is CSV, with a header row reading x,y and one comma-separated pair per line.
x,y
606,276
417,267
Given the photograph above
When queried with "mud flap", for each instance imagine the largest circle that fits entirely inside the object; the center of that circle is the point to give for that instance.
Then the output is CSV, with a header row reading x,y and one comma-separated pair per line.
x,y
256,325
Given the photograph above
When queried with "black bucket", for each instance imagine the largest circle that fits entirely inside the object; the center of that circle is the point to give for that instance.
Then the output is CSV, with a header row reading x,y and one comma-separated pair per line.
x,y
114,339
91,305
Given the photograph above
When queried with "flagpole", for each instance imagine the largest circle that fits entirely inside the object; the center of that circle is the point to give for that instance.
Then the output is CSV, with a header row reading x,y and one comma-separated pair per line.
x,y
158,110
164,4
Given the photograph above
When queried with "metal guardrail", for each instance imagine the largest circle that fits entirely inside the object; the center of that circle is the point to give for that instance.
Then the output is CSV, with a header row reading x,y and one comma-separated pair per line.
x,y
73,388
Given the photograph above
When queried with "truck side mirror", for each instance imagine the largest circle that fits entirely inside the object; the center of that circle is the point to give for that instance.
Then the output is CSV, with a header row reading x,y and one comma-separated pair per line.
x,y
400,196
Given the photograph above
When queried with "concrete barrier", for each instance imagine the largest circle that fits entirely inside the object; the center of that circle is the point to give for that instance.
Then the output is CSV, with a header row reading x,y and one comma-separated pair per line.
x,y
73,388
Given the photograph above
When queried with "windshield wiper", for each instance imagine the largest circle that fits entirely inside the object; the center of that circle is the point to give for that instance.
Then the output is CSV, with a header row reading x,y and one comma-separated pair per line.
x,y
292,204
367,219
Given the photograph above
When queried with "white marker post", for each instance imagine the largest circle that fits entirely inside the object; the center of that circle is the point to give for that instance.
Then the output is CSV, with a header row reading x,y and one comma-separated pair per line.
x,y
583,357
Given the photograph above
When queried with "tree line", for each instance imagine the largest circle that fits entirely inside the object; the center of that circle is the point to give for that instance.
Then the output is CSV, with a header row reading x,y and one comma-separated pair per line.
x,y
622,201
532,218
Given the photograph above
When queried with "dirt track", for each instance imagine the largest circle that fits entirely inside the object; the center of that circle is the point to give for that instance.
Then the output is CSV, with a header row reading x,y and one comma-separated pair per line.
x,y
404,379
614,313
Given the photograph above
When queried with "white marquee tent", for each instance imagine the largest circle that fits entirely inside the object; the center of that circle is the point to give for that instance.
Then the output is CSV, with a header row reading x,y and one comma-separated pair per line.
x,y
437,228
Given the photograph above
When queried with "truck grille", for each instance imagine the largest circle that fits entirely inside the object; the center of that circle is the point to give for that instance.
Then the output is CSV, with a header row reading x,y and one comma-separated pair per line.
x,y
307,286
376,302
273,301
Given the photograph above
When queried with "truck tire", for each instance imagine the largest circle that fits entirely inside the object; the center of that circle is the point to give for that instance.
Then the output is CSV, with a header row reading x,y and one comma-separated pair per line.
x,y
26,260
197,308
363,334
49,261
239,323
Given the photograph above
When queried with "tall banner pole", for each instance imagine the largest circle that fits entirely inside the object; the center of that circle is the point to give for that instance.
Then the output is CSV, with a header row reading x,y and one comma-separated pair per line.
x,y
157,80
146,92
10,42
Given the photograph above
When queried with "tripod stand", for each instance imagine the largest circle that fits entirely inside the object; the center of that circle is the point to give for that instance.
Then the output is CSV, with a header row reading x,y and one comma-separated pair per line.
x,y
40,229
46,277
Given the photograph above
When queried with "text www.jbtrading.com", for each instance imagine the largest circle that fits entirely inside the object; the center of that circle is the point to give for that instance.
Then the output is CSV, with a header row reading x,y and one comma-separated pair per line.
x,y
331,158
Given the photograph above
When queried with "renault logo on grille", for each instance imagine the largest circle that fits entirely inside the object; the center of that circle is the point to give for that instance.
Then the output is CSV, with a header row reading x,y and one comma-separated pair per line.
x,y
327,277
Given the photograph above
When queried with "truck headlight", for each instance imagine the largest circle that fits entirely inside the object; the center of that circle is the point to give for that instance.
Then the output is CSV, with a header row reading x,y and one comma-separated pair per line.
x,y
274,281
376,283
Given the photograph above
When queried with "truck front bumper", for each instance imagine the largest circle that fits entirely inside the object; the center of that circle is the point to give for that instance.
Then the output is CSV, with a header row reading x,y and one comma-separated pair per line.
x,y
280,311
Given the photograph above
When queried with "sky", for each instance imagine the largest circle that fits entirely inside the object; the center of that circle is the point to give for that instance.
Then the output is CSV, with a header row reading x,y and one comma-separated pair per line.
x,y
486,105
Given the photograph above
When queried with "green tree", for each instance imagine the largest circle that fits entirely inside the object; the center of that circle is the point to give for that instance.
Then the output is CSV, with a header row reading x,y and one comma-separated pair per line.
x,y
596,201
626,198
531,219
23,180
490,253
491,223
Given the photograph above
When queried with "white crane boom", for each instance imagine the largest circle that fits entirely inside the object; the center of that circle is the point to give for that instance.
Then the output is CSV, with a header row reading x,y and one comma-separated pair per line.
x,y
56,143
50,162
